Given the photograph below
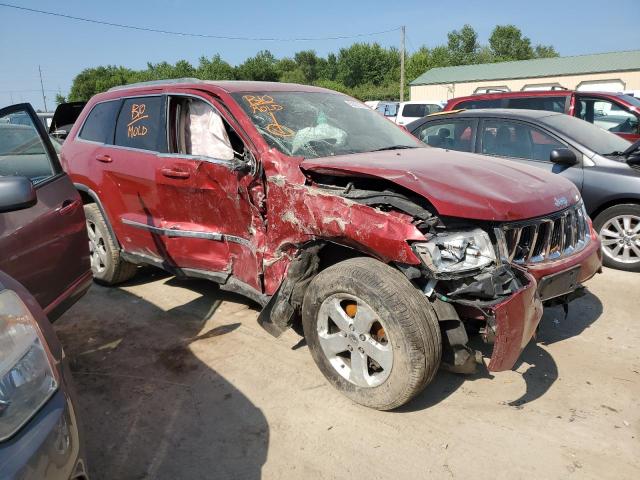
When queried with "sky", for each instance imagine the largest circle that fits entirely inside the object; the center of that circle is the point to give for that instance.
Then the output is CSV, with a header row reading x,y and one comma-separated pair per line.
x,y
64,47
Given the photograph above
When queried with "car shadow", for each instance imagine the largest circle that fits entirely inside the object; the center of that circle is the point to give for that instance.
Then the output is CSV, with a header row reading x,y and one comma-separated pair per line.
x,y
542,370
149,406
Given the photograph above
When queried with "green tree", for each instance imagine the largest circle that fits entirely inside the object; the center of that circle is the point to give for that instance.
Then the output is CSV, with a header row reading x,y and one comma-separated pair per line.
x,y
214,69
545,51
307,62
261,67
507,43
60,99
364,63
95,80
463,46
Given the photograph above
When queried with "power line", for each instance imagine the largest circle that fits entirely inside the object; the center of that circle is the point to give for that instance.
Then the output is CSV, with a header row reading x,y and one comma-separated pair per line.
x,y
200,35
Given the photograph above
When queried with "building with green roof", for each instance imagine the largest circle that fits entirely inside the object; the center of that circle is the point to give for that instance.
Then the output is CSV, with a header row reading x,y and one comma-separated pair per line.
x,y
614,71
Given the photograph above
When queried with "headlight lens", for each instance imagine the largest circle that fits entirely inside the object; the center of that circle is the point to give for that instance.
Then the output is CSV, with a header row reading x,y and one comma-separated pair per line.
x,y
27,378
457,251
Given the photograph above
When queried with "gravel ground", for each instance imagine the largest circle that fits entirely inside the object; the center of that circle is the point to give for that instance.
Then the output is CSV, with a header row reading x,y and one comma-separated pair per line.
x,y
176,380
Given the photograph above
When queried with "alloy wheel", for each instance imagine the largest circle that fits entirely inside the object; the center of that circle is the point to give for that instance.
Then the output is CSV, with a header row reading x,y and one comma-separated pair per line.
x,y
354,340
97,248
620,238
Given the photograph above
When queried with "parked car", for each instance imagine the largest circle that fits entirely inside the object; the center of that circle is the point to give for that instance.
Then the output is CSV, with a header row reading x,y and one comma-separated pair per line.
x,y
63,119
410,111
616,112
330,217
45,248
388,109
601,164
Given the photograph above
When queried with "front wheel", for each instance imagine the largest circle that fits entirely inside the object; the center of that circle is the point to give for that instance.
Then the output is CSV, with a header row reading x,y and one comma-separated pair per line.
x,y
619,230
373,335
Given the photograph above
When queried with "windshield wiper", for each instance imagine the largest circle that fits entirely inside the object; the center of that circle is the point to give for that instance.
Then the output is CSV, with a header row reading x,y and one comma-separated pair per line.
x,y
394,147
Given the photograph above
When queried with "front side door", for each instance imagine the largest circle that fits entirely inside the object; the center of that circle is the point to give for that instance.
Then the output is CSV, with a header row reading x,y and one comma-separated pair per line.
x,y
44,247
527,144
608,115
209,220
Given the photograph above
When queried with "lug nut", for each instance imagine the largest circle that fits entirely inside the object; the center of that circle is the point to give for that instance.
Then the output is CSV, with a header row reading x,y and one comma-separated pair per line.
x,y
361,350
344,334
362,337
351,327
350,348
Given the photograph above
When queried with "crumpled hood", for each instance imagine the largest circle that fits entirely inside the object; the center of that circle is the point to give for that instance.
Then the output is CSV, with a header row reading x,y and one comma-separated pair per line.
x,y
460,184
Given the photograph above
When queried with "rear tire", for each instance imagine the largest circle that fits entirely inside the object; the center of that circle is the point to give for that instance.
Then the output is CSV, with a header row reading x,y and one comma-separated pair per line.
x,y
619,231
373,335
107,265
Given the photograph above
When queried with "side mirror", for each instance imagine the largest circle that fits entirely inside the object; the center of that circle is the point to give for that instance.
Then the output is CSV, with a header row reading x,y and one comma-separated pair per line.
x,y
16,193
563,156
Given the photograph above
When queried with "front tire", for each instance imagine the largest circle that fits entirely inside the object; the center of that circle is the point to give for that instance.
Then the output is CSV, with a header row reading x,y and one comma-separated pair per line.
x,y
107,265
373,335
619,231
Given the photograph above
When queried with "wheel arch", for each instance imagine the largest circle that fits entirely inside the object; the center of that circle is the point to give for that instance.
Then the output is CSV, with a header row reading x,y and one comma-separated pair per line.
x,y
612,203
89,196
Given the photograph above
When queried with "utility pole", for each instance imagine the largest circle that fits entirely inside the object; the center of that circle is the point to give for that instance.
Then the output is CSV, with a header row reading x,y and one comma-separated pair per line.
x,y
402,63
44,99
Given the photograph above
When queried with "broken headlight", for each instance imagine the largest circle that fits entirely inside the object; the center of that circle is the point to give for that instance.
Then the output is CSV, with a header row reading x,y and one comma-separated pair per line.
x,y
27,378
455,252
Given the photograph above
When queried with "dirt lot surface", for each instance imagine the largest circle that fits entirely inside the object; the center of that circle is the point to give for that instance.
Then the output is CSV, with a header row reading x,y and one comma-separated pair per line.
x,y
177,380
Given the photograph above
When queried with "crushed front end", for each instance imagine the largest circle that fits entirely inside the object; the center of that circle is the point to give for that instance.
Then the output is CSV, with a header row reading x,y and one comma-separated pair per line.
x,y
497,278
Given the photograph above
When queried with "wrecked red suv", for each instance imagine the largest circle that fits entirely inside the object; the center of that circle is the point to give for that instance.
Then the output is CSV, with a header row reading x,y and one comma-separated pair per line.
x,y
334,220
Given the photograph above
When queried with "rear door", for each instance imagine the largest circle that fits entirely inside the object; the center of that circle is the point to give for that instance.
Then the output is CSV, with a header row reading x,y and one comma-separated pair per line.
x,y
526,143
125,165
44,247
608,115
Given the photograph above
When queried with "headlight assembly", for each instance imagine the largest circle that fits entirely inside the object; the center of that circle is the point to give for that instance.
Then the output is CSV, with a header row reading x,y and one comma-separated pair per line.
x,y
27,378
454,252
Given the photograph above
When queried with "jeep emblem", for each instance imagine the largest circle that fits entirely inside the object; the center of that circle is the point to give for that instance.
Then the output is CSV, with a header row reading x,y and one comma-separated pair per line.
x,y
561,202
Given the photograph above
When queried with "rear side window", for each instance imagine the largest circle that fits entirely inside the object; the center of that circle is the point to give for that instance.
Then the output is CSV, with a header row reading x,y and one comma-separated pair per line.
x,y
471,104
99,124
141,124
419,110
552,104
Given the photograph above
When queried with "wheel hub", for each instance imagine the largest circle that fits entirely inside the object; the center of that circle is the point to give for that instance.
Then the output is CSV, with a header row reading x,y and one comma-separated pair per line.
x,y
621,238
349,335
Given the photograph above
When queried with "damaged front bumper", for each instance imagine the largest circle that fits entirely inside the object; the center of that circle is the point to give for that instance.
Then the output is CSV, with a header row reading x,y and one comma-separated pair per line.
x,y
512,323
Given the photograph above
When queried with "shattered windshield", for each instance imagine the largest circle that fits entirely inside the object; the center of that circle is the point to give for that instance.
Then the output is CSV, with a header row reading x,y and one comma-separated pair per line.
x,y
318,124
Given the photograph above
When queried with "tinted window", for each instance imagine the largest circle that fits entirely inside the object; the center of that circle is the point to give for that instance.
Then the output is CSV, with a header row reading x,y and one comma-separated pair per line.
x,y
606,115
510,139
452,135
592,137
553,104
471,104
141,124
419,110
22,152
99,124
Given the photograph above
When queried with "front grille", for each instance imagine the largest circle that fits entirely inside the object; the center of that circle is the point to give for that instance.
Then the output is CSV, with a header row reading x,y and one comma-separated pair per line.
x,y
549,238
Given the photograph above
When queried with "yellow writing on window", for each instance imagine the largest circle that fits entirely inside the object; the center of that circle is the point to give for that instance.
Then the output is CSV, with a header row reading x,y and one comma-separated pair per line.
x,y
266,104
137,114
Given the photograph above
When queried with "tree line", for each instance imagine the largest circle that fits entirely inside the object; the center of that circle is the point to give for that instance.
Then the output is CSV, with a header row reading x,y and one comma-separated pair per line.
x,y
366,71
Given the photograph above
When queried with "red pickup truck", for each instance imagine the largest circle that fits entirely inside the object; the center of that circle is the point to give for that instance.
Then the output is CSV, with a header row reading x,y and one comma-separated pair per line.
x,y
334,220
616,112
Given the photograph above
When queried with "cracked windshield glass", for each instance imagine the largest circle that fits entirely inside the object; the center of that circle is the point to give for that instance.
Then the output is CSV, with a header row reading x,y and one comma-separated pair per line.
x,y
318,124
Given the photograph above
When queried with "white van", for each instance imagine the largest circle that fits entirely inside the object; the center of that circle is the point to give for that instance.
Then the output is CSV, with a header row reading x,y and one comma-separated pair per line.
x,y
413,110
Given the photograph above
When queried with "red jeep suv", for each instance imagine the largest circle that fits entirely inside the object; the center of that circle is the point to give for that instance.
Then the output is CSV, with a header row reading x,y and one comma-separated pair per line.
x,y
615,112
334,220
